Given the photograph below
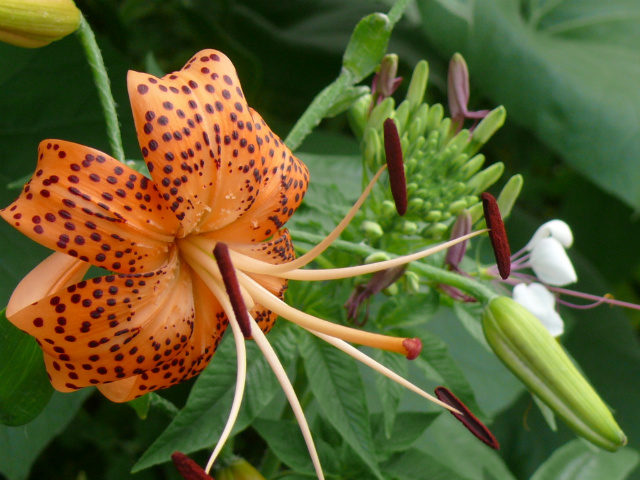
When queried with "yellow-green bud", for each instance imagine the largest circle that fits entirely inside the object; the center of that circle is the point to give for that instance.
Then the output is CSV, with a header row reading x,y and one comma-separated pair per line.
x,y
359,114
409,228
412,280
485,178
525,346
36,23
239,470
487,127
418,84
377,257
509,195
372,230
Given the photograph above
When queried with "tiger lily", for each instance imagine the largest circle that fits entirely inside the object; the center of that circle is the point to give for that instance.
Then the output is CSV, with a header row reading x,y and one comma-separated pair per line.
x,y
219,178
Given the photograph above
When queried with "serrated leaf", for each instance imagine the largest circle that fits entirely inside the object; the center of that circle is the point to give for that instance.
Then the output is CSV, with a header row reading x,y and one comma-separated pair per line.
x,y
200,423
389,392
408,426
25,389
417,465
435,356
337,386
578,461
286,442
20,446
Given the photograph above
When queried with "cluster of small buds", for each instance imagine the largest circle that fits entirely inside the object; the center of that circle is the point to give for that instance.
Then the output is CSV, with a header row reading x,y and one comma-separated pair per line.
x,y
444,172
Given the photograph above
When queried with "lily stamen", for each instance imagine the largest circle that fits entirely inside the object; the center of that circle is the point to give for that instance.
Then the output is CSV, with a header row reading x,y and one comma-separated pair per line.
x,y
221,254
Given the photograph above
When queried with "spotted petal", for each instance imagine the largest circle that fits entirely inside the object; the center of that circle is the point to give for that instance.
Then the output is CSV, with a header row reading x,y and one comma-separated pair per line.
x,y
112,327
88,205
284,181
210,324
197,137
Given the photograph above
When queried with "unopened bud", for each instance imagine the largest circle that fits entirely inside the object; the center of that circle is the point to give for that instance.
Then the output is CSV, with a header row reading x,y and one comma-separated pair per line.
x,y
372,230
36,23
509,195
239,469
418,84
525,346
487,127
485,178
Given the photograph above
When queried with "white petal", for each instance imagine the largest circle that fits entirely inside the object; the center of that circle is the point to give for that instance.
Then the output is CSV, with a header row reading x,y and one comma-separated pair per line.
x,y
555,229
551,264
541,302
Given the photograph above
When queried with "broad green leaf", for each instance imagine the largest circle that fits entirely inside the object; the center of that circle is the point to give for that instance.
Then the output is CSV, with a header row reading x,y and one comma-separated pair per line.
x,y
435,356
24,386
566,70
200,423
414,464
337,386
20,446
285,440
407,428
578,461
389,392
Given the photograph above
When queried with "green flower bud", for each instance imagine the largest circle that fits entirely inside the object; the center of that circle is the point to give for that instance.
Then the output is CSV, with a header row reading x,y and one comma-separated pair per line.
x,y
472,166
377,257
509,195
401,116
487,177
418,84
525,346
388,209
409,228
36,23
434,118
434,216
457,206
359,114
372,149
380,113
372,230
412,280
239,470
487,127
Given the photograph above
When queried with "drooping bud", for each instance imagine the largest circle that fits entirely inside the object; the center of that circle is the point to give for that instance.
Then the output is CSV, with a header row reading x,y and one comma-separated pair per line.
x,y
362,293
458,92
462,226
525,346
395,165
468,419
187,468
230,280
385,81
36,23
240,469
497,234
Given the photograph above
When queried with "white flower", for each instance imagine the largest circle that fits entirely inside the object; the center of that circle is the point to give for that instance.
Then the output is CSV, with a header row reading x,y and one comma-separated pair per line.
x,y
551,264
541,302
554,229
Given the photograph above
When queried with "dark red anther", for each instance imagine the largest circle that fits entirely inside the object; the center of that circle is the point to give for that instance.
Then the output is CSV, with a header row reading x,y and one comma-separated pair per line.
x,y
395,165
188,469
497,234
230,280
467,418
413,347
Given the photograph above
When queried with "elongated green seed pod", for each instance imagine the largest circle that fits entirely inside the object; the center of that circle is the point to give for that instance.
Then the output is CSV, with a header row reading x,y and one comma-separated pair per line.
x,y
525,346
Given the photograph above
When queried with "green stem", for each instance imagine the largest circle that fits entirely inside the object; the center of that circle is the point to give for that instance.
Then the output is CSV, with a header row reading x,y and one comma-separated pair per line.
x,y
101,79
434,274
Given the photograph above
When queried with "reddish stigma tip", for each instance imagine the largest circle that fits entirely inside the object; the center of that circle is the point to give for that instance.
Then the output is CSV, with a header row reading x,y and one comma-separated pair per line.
x,y
468,419
413,347
497,234
221,254
395,165
187,468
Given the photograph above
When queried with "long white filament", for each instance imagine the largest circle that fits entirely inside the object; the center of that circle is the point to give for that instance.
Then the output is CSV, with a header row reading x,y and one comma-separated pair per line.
x,y
268,352
241,377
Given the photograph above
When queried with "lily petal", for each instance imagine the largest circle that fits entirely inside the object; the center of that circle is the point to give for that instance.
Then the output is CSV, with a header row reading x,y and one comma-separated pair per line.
x,y
52,274
557,229
541,302
112,327
90,206
197,136
551,264
211,323
284,181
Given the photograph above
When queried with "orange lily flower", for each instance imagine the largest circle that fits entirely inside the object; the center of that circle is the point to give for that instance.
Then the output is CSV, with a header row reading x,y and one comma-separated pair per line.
x,y
219,175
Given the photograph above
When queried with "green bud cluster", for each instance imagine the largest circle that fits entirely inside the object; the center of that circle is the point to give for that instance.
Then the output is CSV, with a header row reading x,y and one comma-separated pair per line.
x,y
444,172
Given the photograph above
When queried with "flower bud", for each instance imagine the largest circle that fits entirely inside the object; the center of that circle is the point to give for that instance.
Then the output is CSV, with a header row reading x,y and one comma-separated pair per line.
x,y
487,127
525,346
239,469
36,23
372,230
418,84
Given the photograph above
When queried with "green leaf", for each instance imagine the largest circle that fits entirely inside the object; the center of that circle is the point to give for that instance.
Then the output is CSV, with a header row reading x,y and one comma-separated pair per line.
x,y
417,465
20,446
578,461
285,440
200,423
407,428
565,70
337,386
435,356
25,389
